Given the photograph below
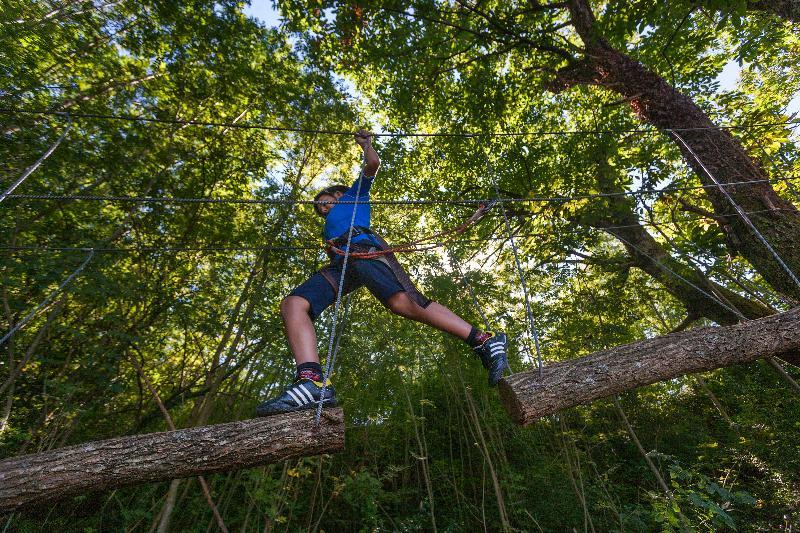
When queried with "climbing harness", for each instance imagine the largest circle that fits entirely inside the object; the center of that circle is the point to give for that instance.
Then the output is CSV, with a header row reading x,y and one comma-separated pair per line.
x,y
426,243
358,251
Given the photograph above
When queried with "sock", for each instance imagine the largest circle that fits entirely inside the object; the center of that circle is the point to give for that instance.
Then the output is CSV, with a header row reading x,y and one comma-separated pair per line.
x,y
476,337
312,371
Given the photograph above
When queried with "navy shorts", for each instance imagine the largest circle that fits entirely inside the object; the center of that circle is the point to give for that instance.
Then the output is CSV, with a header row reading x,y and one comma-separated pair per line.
x,y
373,274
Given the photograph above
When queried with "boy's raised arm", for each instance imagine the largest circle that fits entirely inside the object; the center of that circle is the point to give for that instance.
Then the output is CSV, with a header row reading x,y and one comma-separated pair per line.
x,y
371,160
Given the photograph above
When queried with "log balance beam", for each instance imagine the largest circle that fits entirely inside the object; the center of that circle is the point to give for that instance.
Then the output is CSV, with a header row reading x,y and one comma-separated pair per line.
x,y
527,397
104,465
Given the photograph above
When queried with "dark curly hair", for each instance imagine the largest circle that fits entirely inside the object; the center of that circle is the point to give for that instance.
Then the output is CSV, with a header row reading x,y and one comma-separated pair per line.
x,y
329,191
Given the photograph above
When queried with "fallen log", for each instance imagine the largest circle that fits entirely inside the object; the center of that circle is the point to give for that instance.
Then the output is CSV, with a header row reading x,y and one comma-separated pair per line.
x,y
527,397
122,461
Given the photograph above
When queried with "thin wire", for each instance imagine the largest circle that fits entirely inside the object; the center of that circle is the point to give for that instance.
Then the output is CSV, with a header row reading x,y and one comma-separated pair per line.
x,y
331,358
771,360
521,273
739,210
669,270
269,201
239,125
150,249
22,323
465,282
33,167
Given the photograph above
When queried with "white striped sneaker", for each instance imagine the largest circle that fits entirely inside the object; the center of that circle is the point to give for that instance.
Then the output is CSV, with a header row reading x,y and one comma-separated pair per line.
x,y
300,395
493,354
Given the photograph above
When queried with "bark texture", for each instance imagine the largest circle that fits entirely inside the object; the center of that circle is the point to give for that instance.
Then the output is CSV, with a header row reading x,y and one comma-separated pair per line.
x,y
108,464
657,102
701,296
527,397
785,9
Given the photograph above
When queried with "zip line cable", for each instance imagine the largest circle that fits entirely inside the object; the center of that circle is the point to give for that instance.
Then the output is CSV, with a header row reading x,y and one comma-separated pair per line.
x,y
277,201
46,302
28,171
291,248
740,211
249,126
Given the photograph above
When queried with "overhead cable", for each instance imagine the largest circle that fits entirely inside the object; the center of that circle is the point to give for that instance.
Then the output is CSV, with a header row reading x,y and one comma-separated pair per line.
x,y
291,129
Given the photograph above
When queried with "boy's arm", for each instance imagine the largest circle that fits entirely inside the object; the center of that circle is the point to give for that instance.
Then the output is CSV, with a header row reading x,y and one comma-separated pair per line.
x,y
371,160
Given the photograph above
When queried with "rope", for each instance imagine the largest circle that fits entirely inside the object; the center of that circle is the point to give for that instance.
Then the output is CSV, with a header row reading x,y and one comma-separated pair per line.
x,y
465,282
420,244
270,201
250,126
670,271
22,323
740,211
528,311
331,359
151,249
33,167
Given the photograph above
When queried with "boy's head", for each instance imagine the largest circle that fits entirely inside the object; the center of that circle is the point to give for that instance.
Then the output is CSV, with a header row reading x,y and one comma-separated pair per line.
x,y
329,195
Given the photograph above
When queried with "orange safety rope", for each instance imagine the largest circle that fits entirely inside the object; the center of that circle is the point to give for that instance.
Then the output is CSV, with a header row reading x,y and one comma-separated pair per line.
x,y
420,244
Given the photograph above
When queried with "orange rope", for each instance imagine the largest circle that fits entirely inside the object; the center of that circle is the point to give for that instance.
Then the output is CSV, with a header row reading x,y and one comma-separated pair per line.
x,y
420,244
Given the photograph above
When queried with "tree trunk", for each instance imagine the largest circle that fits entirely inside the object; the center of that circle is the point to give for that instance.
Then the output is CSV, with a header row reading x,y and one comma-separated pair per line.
x,y
701,296
785,9
104,465
660,104
526,396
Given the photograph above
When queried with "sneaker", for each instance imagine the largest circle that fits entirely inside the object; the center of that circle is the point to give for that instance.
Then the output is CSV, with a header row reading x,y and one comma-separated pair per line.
x,y
301,395
493,356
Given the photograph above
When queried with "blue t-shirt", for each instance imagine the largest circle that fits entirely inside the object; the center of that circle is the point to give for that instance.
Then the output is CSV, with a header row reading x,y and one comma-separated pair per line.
x,y
337,223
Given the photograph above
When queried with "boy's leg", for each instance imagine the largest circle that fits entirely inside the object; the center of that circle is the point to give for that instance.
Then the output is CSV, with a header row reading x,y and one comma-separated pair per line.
x,y
298,311
435,315
490,348
299,329
382,282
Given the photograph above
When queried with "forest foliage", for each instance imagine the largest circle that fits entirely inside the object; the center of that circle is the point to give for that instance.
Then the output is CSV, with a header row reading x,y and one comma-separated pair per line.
x,y
190,291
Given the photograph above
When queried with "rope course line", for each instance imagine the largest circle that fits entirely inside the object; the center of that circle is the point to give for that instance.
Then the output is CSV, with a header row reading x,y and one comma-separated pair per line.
x,y
740,211
455,265
46,302
30,170
770,360
330,361
528,311
149,249
670,271
135,118
275,201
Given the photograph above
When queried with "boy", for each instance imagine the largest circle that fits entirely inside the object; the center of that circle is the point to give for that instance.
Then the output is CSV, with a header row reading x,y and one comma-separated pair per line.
x,y
383,277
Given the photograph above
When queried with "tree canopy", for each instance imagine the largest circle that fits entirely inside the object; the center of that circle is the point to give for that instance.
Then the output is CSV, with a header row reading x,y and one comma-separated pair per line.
x,y
192,135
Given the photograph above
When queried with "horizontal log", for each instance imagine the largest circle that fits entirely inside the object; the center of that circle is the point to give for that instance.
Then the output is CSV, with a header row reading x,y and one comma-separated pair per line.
x,y
122,461
527,396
